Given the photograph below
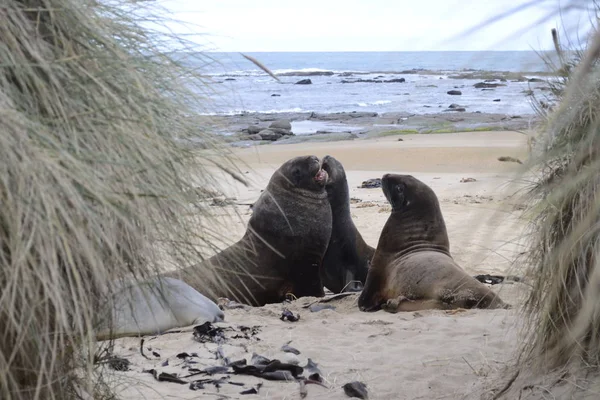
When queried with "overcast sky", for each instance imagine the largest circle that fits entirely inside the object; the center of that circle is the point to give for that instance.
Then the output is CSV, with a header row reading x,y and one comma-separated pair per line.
x,y
369,25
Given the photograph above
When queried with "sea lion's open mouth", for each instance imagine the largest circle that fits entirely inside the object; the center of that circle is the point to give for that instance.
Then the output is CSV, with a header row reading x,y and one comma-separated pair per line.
x,y
321,176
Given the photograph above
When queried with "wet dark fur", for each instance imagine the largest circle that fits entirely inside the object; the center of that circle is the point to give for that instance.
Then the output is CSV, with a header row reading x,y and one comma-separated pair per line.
x,y
412,268
348,256
284,244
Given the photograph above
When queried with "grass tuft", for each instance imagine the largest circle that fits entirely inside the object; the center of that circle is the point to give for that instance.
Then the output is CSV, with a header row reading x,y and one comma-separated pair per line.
x,y
96,183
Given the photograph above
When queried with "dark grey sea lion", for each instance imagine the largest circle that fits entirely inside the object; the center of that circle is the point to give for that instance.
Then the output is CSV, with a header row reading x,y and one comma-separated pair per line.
x,y
284,244
348,256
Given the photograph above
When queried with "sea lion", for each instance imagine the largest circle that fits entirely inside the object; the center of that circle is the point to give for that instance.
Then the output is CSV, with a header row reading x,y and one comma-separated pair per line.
x,y
155,306
348,256
284,244
412,268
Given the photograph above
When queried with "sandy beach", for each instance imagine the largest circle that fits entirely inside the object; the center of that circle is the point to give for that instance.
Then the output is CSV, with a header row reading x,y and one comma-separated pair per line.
x,y
420,355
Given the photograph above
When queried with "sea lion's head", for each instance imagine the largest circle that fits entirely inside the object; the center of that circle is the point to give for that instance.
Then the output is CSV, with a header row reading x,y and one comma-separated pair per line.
x,y
337,184
304,172
405,192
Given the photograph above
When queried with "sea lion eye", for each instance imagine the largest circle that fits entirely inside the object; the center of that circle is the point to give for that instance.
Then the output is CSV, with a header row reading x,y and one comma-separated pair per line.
x,y
400,188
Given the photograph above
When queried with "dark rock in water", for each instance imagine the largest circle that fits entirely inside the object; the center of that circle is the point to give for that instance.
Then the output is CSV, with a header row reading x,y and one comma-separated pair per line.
x,y
275,95
487,89
252,129
396,80
487,85
281,124
533,80
454,92
454,105
503,80
304,82
371,183
356,389
268,134
456,109
496,100
229,79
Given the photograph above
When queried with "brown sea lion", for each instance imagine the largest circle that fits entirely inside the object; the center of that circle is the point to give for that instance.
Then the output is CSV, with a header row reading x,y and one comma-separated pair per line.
x,y
284,244
412,268
348,256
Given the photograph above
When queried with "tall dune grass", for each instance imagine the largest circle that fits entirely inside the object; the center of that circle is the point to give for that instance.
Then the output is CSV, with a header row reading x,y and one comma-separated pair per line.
x,y
562,312
95,185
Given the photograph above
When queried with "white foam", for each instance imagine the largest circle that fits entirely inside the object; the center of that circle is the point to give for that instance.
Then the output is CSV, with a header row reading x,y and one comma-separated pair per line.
x,y
374,103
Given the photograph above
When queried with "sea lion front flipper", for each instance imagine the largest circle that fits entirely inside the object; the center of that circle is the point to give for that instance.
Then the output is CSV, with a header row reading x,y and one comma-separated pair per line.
x,y
402,303
393,305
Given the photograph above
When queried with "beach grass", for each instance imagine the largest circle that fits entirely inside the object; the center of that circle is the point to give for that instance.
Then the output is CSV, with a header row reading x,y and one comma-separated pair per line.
x,y
96,186
562,312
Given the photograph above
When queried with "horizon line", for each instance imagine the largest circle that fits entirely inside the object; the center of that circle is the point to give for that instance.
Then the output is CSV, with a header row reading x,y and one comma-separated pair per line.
x,y
373,51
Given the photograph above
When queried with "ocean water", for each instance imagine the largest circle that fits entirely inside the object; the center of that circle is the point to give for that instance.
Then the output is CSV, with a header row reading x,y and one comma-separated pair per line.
x,y
239,86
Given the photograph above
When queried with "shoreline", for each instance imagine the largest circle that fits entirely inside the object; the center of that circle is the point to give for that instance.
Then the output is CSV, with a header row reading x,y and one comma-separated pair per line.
x,y
357,125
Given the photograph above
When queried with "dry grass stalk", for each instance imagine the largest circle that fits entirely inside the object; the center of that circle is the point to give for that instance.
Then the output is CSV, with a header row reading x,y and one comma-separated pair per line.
x,y
562,311
95,185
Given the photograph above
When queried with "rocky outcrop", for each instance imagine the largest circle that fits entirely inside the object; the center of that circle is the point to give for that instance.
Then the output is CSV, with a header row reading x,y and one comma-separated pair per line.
x,y
304,82
395,80
254,129
454,92
281,124
487,85
342,116
278,129
268,134
306,73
